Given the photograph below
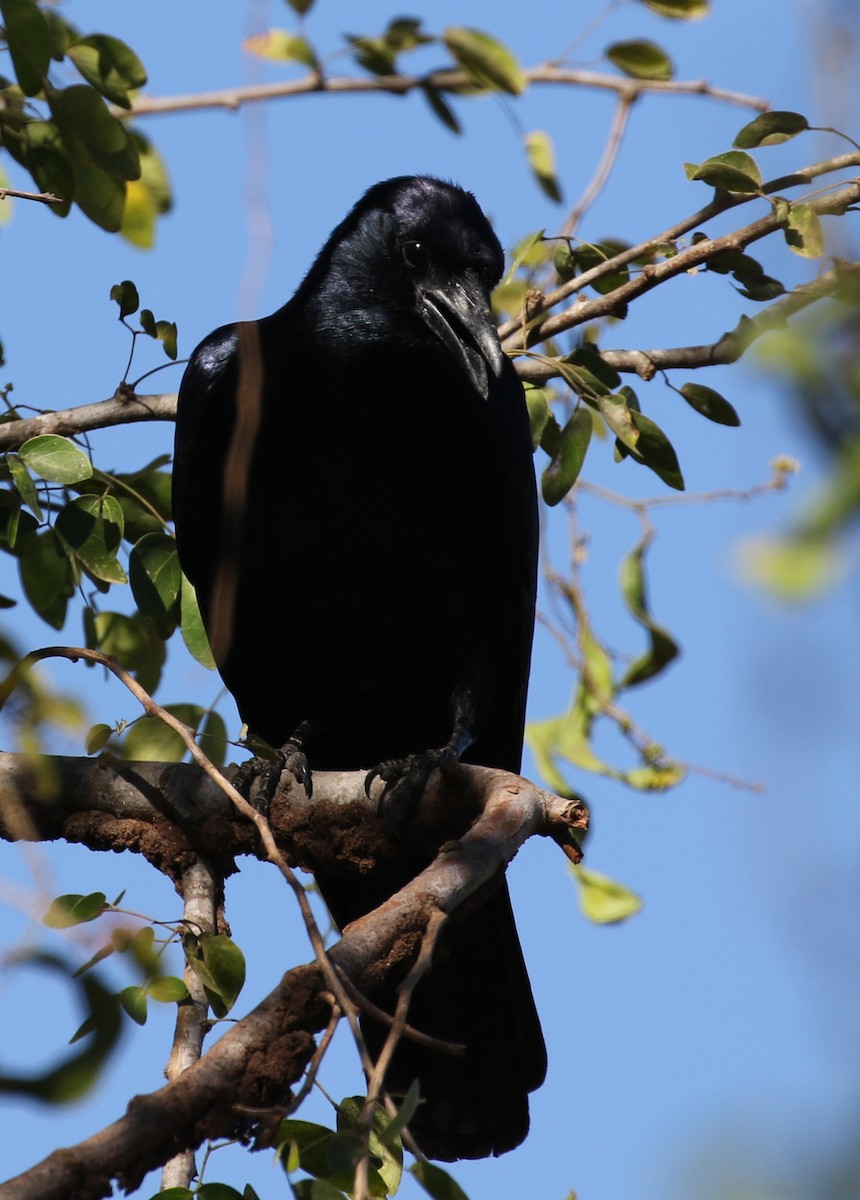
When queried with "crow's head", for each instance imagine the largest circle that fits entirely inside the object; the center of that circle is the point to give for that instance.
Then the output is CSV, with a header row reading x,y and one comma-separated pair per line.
x,y
419,254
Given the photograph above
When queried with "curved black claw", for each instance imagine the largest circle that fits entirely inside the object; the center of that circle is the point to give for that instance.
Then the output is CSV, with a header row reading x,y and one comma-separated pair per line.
x,y
267,772
405,780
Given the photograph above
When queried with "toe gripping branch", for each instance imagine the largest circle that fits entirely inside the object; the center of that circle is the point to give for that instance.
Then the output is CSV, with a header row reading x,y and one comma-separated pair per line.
x,y
266,772
405,779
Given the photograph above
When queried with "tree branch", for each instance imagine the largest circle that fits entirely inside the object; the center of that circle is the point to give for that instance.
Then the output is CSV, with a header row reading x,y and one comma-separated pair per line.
x,y
119,409
727,349
720,203
262,1055
697,255
453,80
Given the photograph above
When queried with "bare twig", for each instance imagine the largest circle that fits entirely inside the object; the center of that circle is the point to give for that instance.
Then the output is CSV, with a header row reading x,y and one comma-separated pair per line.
x,y
447,80
41,197
608,159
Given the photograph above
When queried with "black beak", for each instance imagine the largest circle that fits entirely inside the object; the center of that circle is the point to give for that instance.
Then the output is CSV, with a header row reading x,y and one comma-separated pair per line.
x,y
458,312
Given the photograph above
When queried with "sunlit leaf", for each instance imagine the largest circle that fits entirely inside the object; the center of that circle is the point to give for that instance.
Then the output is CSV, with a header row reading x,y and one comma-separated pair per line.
x,y
97,738
541,157
281,46
488,61
733,171
220,965
56,459
680,10
604,901
803,231
74,909
192,628
169,989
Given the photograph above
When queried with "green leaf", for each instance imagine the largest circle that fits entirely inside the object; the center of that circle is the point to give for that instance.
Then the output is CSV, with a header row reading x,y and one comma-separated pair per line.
x,y
56,459
218,1191
163,331
769,129
384,1141
485,59
803,231
109,65
220,965
24,484
563,471
663,647
436,1182
595,365
84,119
541,157
762,289
213,739
98,737
146,198
733,171
604,901
133,1000
74,909
98,195
72,1077
174,1193
301,6
680,10
539,413
126,296
91,527
317,1189
154,574
709,403
794,569
169,989
619,417
151,739
563,262
656,451
280,45
29,40
641,59
49,163
46,576
440,108
588,255
192,628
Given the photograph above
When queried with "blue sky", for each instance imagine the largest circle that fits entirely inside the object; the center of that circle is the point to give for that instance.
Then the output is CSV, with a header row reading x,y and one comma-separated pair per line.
x,y
719,1028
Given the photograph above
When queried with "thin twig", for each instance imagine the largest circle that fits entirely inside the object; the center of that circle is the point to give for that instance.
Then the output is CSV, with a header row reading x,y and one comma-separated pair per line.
x,y
620,120
453,80
41,197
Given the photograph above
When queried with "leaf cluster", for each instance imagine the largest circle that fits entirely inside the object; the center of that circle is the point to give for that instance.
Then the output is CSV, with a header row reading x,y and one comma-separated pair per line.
x,y
66,137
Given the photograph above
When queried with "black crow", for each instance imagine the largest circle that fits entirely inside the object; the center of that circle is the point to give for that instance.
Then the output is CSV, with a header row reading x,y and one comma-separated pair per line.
x,y
354,501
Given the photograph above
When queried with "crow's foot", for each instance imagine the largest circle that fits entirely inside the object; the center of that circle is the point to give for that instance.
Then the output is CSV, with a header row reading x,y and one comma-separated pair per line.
x,y
258,778
405,780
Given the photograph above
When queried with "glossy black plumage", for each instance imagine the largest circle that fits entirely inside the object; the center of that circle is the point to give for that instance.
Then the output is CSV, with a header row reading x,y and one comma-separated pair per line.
x,y
373,573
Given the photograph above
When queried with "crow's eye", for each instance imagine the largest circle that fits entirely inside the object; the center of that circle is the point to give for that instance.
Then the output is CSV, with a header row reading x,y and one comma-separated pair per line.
x,y
415,254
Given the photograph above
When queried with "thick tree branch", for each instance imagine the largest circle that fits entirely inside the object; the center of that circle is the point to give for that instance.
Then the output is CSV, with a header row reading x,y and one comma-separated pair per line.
x,y
254,1064
447,80
119,409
